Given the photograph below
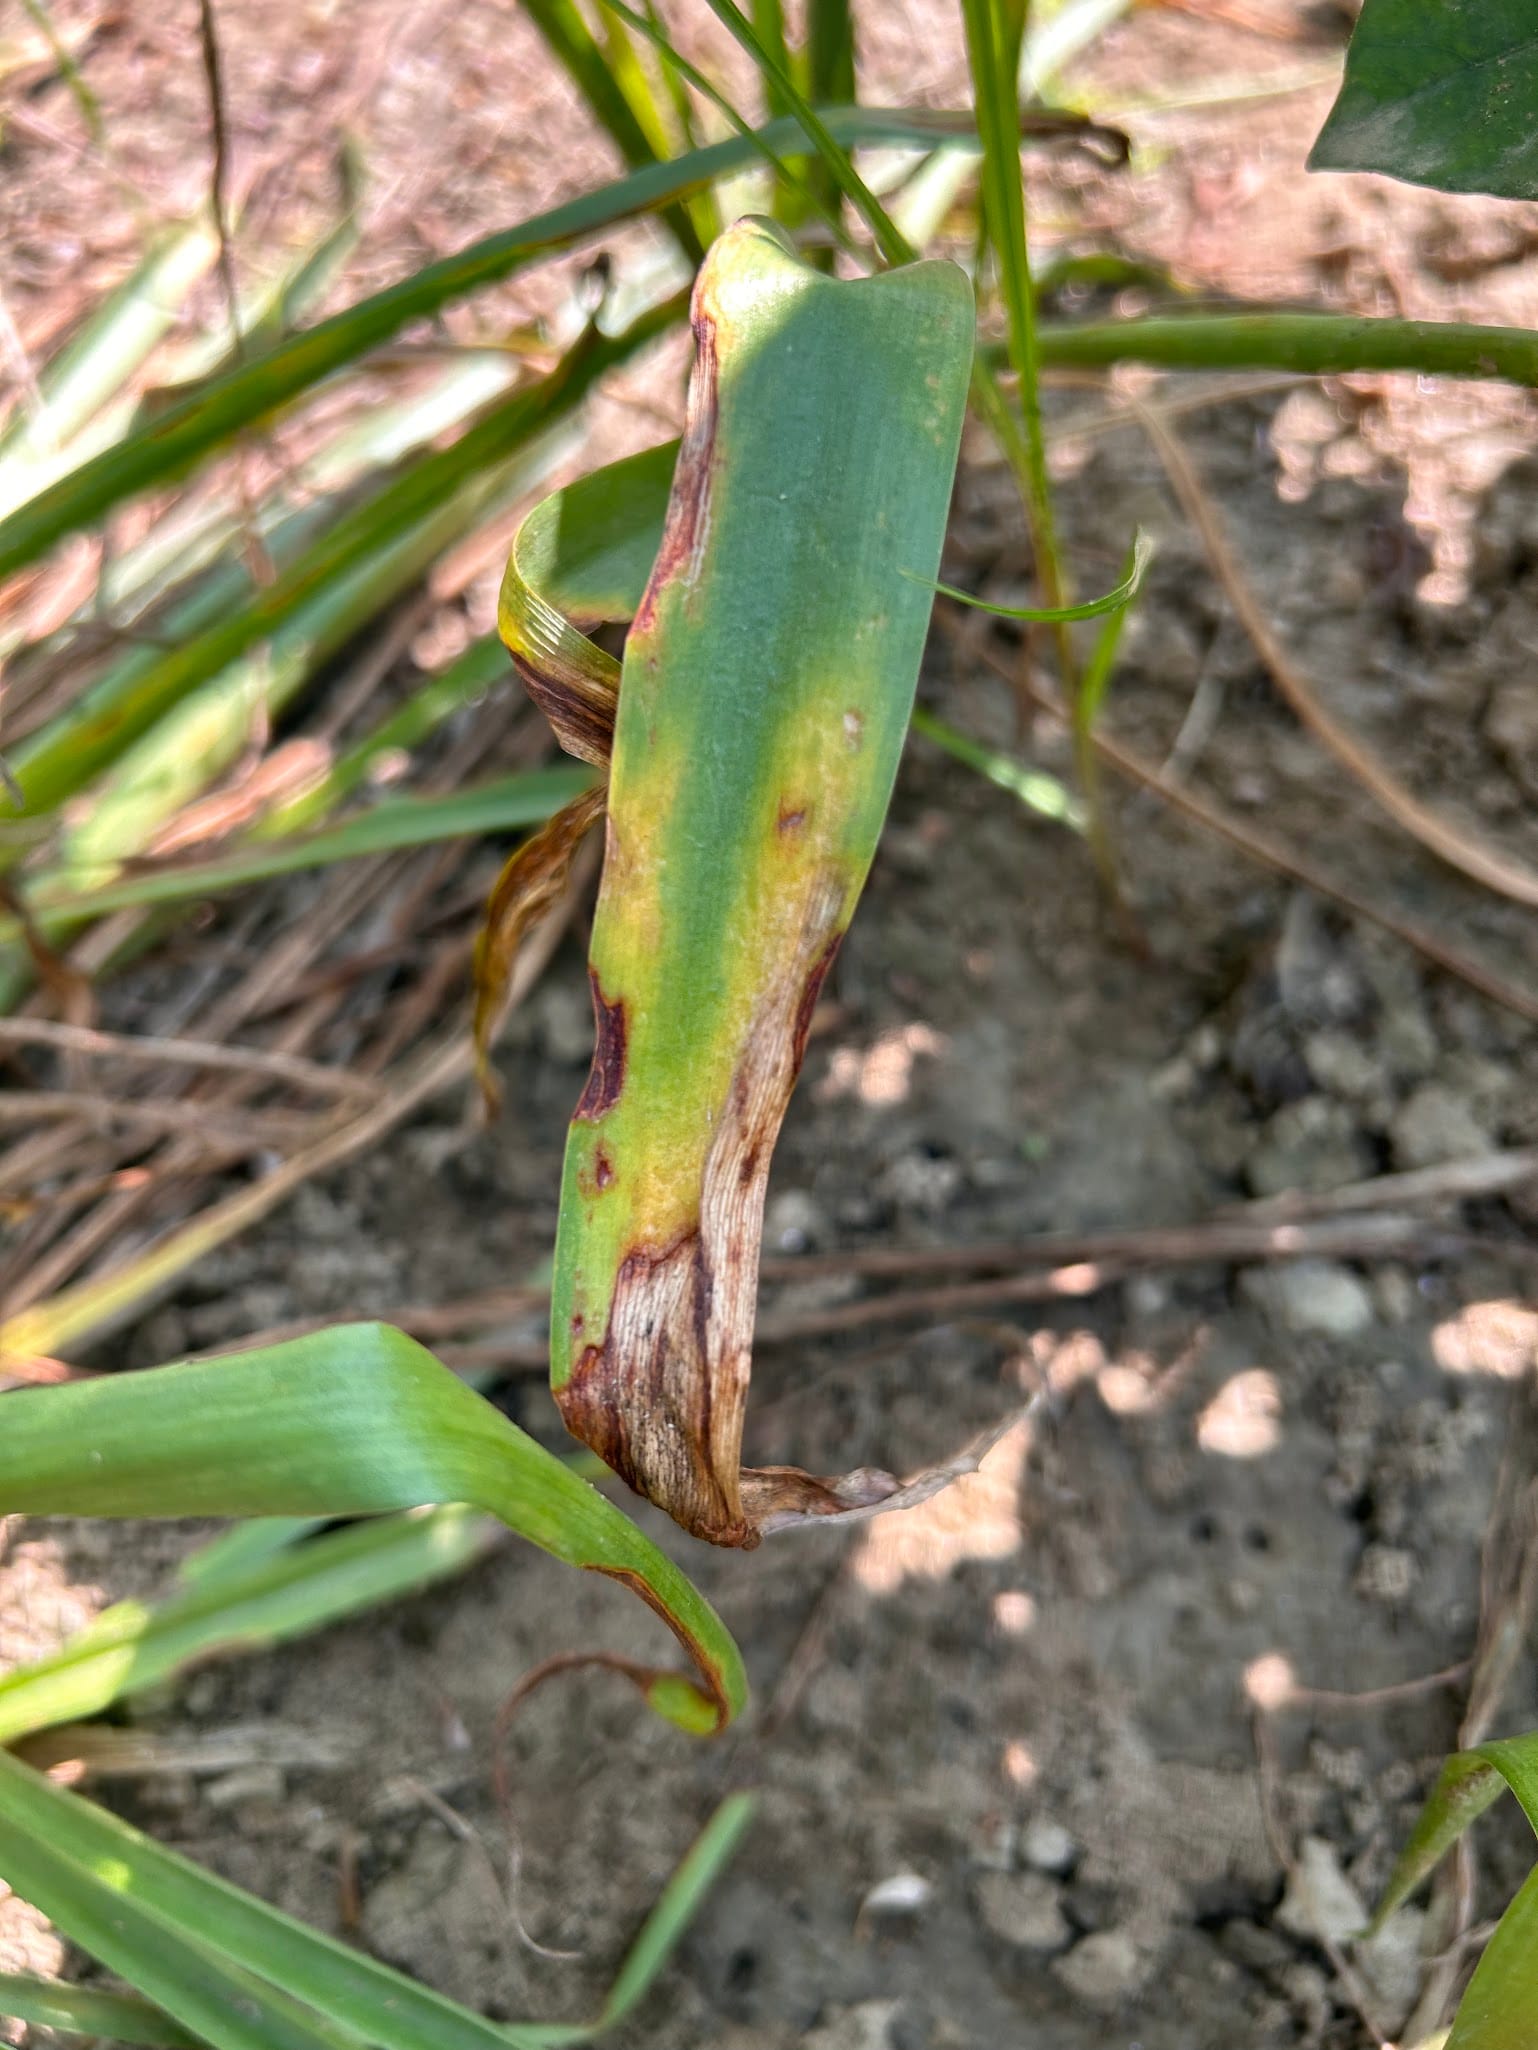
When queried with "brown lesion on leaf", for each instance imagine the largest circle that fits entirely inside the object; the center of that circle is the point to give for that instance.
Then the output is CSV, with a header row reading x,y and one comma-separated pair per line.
x,y
524,893
599,1175
606,1077
811,990
663,1398
580,706
688,514
791,817
645,1402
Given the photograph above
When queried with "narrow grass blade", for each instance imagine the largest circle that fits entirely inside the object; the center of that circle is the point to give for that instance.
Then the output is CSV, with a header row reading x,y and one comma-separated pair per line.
x,y
84,2011
525,799
91,1882
603,86
681,1900
803,196
826,72
62,759
830,53
1114,600
41,16
1309,344
469,677
90,1872
992,52
110,347
250,394
820,133
769,27
131,1646
355,1421
243,1546
1039,792
203,735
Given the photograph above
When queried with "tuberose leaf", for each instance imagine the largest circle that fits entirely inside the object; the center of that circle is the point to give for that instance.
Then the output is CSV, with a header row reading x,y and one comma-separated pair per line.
x,y
766,687
1440,92
84,2011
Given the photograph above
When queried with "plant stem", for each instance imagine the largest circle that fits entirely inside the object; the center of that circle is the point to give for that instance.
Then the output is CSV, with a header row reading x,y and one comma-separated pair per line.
x,y
993,51
1311,344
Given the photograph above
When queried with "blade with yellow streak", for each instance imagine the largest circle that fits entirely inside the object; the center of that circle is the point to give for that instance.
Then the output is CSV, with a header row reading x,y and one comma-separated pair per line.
x,y
779,588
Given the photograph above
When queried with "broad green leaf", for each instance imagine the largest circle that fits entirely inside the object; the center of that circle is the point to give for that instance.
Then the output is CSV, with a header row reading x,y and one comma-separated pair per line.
x,y
233,1603
168,448
355,1421
767,683
1440,92
242,1975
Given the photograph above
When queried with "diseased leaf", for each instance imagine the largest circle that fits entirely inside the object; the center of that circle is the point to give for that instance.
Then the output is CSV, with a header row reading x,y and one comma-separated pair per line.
x,y
530,885
766,687
1440,92
1467,1786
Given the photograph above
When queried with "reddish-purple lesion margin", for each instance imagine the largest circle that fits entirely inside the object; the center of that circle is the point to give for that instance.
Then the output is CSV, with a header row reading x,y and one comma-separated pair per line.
x,y
606,1077
689,499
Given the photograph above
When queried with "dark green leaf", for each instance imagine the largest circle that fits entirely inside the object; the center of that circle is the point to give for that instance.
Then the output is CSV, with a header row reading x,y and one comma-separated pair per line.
x,y
1440,92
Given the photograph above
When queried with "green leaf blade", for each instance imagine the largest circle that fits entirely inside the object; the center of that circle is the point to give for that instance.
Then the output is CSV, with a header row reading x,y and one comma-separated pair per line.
x,y
355,1421
1499,2008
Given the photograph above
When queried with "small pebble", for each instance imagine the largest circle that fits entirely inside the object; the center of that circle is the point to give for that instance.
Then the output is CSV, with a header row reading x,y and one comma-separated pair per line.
x,y
1047,1847
1105,1970
1023,1910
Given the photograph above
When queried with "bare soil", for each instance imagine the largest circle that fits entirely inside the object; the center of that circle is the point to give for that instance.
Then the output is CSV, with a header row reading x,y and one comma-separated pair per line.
x,y
1040,1702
